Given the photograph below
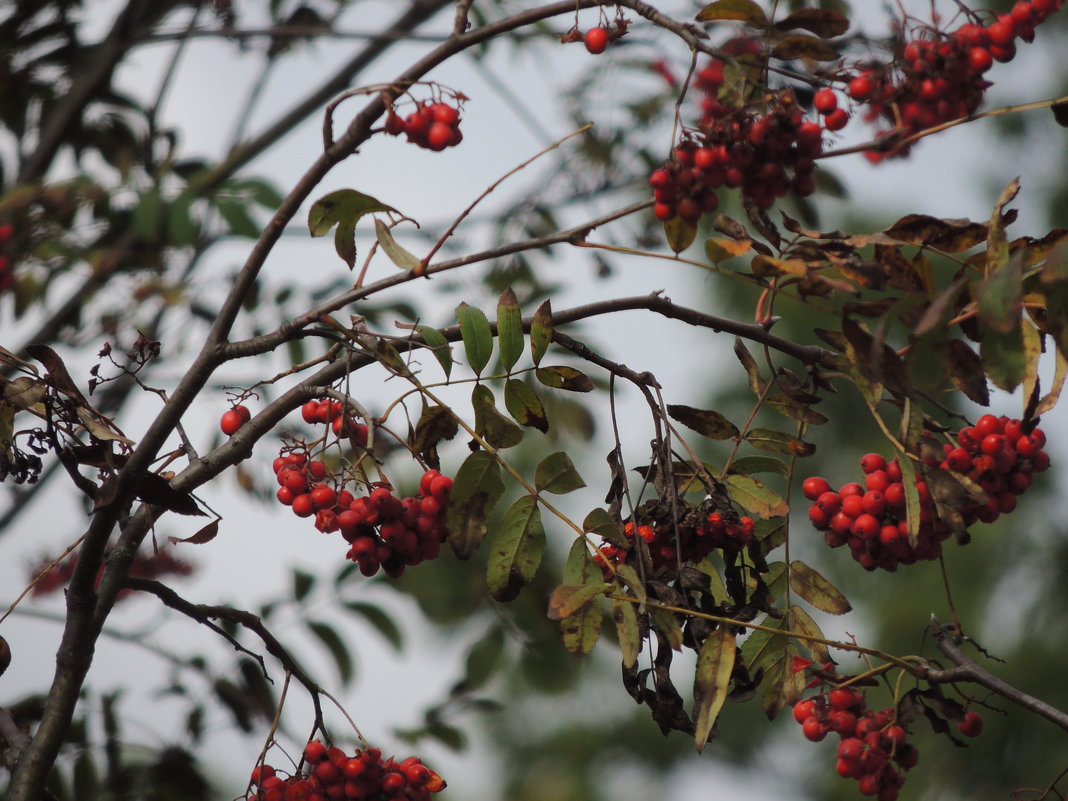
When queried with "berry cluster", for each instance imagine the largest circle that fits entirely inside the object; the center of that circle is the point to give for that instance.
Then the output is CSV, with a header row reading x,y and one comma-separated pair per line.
x,y
383,531
873,748
331,775
940,78
332,413
765,153
998,455
7,269
697,536
434,126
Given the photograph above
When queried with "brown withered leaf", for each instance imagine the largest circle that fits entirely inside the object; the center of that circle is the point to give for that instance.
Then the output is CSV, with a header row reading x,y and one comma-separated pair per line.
x,y
745,11
875,361
824,22
729,226
57,370
947,235
900,272
966,371
206,534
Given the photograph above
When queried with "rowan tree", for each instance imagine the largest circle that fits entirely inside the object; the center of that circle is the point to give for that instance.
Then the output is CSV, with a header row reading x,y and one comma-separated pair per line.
x,y
422,396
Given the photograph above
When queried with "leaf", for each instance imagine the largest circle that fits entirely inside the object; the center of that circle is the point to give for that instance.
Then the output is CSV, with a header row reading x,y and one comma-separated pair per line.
x,y
509,328
440,346
567,599
966,371
628,632
476,489
715,664
57,371
1060,113
750,465
25,392
436,423
477,336
582,628
556,473
679,234
302,584
802,46
706,422
812,587
238,220
1004,357
494,427
524,405
563,377
666,623
804,624
205,534
1000,294
741,10
778,442
785,686
398,255
99,426
156,490
752,370
329,637
379,619
722,248
1051,397
949,236
541,331
755,497
794,410
824,22
343,208
516,550
482,661
599,522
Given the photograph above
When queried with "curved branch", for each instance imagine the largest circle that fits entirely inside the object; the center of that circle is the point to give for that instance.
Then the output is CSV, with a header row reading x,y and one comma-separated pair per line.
x,y
948,642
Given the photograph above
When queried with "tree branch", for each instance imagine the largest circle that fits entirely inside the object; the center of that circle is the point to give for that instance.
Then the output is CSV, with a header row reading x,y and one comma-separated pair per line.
x,y
949,642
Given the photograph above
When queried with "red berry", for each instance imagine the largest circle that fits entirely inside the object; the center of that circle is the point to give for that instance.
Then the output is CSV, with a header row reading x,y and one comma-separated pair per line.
x,y
439,136
596,40
814,487
871,462
803,710
861,88
231,421
323,496
836,120
814,729
315,752
310,411
972,725
980,59
444,113
825,101
303,506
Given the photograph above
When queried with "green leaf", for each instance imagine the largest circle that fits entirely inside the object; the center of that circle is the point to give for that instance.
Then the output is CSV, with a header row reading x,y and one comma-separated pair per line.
x,y
524,405
755,497
541,331
763,648
812,587
494,427
380,620
476,489
329,637
516,549
398,255
477,336
582,628
562,377
557,474
440,346
302,584
482,660
628,632
785,687
679,234
715,664
912,497
778,442
1004,356
148,214
509,328
239,221
1000,294
706,422
599,522
436,423
750,465
343,208
741,10
803,623
667,624
567,599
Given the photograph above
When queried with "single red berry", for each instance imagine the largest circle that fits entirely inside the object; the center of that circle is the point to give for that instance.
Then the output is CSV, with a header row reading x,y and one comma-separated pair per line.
x,y
310,411
231,421
596,40
825,101
803,710
303,506
861,88
836,120
980,60
871,462
285,496
444,113
814,729
972,725
660,179
439,136
323,496
260,773
842,698
315,752
814,487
